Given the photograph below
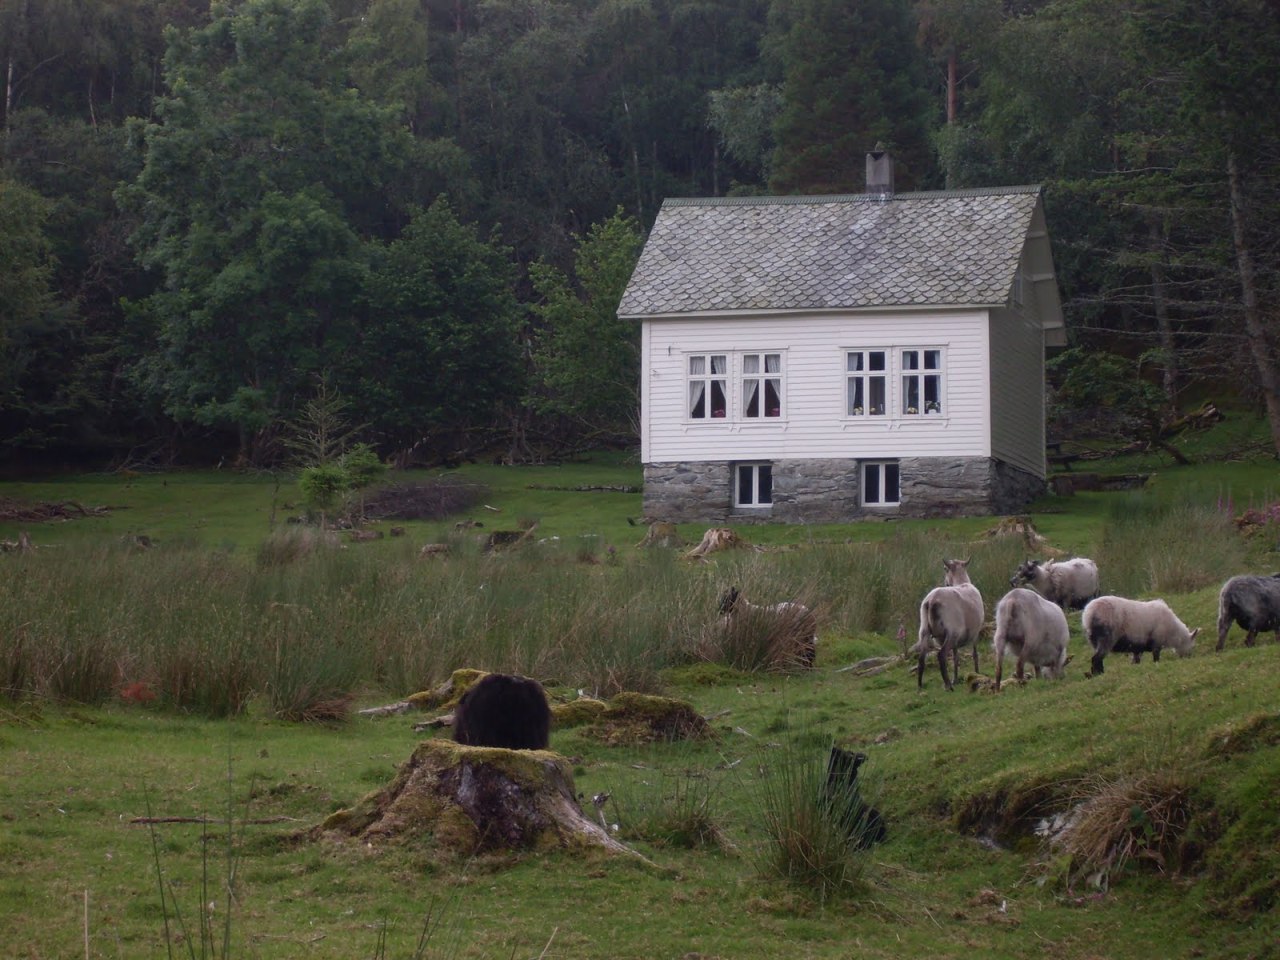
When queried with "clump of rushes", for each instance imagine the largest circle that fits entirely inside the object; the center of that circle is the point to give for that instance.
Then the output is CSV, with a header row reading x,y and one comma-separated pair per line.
x,y
806,841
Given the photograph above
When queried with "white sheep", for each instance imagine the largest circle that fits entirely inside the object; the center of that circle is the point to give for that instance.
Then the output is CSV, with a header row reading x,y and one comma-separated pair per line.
x,y
788,627
1033,629
1133,626
952,616
1251,601
1068,583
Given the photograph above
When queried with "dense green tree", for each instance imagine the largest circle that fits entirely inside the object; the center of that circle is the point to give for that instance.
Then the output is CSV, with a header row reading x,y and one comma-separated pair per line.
x,y
259,185
853,77
587,360
1220,58
26,294
437,360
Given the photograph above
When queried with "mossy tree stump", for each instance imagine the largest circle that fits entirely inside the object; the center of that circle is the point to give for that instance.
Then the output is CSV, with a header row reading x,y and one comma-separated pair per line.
x,y
477,799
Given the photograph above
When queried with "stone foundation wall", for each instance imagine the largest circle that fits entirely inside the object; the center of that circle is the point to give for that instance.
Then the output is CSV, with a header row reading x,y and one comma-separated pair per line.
x,y
826,491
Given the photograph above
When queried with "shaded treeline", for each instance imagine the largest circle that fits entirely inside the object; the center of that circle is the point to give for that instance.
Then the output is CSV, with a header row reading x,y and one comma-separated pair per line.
x,y
434,204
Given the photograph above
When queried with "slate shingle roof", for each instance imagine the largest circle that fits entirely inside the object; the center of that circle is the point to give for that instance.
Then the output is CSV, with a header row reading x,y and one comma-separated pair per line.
x,y
796,253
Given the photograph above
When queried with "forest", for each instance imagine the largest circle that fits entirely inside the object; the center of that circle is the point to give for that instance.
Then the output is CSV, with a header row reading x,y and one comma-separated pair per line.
x,y
410,221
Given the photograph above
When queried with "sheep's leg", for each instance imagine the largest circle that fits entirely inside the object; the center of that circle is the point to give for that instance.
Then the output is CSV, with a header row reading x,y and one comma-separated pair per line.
x,y
1251,638
1155,654
1095,665
999,666
920,671
947,648
975,656
1137,656
1022,671
1223,627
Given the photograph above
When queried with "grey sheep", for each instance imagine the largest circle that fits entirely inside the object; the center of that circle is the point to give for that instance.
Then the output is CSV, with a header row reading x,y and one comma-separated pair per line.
x,y
1068,583
1252,602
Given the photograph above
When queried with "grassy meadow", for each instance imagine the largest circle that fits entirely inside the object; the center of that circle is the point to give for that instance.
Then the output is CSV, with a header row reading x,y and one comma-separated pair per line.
x,y
256,640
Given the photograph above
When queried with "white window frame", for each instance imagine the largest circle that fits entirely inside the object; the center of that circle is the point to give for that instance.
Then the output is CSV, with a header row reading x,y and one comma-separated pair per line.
x,y
756,380
921,385
881,469
706,379
912,388
861,381
753,384
753,472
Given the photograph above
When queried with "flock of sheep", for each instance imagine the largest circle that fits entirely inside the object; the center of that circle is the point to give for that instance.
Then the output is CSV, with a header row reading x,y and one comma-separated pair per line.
x,y
1031,623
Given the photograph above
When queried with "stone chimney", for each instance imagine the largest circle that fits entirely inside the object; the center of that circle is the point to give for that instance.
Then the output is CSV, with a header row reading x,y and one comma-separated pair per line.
x,y
880,172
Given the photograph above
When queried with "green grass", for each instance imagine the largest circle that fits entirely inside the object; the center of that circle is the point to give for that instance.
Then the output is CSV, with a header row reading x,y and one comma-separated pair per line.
x,y
961,778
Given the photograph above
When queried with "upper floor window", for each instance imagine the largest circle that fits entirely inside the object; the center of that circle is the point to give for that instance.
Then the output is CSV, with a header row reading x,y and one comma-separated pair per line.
x,y
921,382
894,382
867,383
708,386
735,386
761,385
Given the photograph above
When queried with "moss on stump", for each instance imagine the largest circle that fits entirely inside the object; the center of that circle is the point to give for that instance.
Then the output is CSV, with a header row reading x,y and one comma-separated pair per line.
x,y
474,800
632,718
575,713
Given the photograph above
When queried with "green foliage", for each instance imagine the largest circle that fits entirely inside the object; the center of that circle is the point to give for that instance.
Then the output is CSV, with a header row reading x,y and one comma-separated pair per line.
x,y
1108,390
438,355
854,78
253,204
744,117
362,466
587,360
323,486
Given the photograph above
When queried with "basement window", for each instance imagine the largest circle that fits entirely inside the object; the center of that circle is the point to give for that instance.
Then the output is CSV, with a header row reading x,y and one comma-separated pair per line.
x,y
880,483
753,485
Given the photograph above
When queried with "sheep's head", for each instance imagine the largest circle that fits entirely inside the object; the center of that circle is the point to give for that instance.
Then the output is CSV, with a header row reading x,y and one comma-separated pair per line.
x,y
1026,573
957,572
729,600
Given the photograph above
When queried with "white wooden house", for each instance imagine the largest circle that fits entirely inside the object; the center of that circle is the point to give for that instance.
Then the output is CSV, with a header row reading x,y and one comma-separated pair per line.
x,y
818,359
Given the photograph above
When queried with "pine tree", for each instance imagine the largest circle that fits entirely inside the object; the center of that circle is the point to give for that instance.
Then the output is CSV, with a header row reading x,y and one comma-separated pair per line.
x,y
854,77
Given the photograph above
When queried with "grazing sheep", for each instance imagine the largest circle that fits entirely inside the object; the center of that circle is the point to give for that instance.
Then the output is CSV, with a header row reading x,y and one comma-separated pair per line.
x,y
503,711
1068,583
1253,603
952,616
842,795
1133,626
1035,630
788,627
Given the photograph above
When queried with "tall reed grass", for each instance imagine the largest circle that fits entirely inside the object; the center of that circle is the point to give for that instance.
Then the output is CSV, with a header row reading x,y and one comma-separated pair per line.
x,y
807,840
308,624
1151,548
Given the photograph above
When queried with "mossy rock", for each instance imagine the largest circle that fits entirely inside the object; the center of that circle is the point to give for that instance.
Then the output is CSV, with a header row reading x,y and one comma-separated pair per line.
x,y
449,692
472,800
633,718
576,713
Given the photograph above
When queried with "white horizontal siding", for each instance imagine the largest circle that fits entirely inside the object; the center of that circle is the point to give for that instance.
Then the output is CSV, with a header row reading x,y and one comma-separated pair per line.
x,y
814,424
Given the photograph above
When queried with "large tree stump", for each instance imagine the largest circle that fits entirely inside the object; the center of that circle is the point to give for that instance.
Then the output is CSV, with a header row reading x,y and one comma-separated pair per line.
x,y
477,799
